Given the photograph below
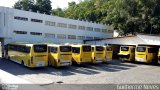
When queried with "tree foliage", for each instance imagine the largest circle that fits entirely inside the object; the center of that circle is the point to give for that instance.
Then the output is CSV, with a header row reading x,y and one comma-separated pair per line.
x,y
43,6
126,16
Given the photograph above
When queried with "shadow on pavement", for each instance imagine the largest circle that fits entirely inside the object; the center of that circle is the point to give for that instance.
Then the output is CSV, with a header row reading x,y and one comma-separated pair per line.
x,y
88,69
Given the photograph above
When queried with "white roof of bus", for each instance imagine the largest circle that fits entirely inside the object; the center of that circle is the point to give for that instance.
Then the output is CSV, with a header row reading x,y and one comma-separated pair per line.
x,y
23,43
79,45
56,45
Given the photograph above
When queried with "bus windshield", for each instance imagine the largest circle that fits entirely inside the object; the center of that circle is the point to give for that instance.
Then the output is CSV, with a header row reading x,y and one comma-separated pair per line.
x,y
108,48
99,48
40,48
124,48
141,49
86,48
65,48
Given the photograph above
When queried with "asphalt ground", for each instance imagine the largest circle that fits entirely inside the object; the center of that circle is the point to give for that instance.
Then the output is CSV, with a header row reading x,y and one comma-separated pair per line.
x,y
114,72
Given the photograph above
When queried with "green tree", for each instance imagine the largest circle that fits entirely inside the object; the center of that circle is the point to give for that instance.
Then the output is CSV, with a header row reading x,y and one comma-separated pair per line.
x,y
44,6
58,12
24,4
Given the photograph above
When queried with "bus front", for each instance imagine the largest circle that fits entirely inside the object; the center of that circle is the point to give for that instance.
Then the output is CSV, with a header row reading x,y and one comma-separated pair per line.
x,y
108,53
124,53
141,54
39,55
98,54
65,56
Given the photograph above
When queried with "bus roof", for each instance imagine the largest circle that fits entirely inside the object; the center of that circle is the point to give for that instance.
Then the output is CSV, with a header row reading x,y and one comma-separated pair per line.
x,y
97,45
25,43
57,45
79,45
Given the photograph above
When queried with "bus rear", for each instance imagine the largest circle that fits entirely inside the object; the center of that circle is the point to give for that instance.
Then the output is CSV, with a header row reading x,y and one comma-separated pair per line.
x,y
86,53
81,54
65,56
98,55
141,54
39,55
108,53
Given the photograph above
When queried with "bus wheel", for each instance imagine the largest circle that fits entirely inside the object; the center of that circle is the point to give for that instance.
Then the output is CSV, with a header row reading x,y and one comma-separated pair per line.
x,y
22,62
154,61
49,63
122,60
8,57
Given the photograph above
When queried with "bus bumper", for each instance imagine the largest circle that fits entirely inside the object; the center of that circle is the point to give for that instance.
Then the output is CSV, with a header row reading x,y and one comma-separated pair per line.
x,y
65,63
139,60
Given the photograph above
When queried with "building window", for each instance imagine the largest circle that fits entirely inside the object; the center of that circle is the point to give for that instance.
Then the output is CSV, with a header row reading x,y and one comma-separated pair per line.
x,y
49,23
81,37
96,38
72,26
21,18
89,38
36,33
20,32
48,35
89,29
110,31
97,30
61,36
37,20
81,28
104,30
62,25
71,36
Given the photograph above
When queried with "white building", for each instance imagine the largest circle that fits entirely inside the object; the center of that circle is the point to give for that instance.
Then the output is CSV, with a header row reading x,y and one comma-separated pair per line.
x,y
26,26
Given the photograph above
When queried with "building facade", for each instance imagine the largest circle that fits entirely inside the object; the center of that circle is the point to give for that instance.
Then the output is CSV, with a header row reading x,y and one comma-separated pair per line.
x,y
26,26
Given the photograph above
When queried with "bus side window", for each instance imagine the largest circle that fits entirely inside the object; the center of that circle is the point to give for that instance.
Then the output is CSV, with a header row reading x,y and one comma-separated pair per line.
x,y
53,49
133,50
92,49
75,50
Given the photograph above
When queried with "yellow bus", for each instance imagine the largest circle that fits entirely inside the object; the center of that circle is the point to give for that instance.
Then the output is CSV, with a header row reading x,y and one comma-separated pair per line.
x,y
30,55
108,53
127,53
81,53
146,54
98,54
159,56
59,55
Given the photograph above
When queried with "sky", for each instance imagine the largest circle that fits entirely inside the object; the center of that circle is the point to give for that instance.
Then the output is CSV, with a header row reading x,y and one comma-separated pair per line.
x,y
55,3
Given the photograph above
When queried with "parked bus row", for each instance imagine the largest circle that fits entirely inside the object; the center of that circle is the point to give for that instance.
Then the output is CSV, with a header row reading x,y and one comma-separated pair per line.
x,y
41,55
146,54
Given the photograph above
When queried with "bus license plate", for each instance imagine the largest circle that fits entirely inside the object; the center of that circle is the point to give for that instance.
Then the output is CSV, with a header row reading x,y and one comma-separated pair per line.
x,y
140,60
40,63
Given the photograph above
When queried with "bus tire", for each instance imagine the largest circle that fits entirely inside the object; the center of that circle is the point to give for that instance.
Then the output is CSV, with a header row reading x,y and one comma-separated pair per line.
x,y
155,61
49,63
22,62
8,58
